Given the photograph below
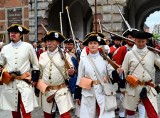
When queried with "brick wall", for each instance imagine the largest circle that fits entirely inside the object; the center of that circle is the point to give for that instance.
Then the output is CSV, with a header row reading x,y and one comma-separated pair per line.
x,y
11,4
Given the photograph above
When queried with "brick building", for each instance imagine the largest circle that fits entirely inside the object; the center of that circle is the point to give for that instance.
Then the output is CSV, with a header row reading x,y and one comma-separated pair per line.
x,y
13,11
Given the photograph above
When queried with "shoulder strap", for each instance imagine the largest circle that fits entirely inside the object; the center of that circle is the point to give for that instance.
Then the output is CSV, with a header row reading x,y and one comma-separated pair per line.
x,y
98,75
140,61
56,66
63,56
115,52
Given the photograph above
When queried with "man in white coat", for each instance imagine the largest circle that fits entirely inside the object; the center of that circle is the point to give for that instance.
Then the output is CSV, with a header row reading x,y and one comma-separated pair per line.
x,y
16,58
139,62
53,66
95,96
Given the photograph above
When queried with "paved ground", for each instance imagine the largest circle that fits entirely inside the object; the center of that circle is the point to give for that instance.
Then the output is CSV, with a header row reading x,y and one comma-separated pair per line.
x,y
37,113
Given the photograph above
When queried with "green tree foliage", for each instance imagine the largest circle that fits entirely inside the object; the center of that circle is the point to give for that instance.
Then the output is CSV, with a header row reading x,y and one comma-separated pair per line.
x,y
156,37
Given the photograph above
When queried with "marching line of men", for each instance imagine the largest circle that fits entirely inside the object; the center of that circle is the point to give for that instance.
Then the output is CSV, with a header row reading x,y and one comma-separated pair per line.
x,y
62,75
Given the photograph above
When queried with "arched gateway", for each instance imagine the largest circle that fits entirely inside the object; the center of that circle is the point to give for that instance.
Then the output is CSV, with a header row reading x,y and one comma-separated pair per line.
x,y
82,15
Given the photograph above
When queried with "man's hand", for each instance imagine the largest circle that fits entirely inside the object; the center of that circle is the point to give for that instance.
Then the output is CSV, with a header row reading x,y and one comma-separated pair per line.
x,y
13,76
33,83
71,71
78,101
119,71
1,68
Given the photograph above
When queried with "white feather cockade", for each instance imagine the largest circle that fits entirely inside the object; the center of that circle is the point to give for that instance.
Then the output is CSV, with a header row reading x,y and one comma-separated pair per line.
x,y
56,35
20,28
98,38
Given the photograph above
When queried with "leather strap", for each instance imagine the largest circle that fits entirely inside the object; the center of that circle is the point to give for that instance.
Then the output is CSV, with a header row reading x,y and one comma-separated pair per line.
x,y
138,60
56,66
141,63
56,87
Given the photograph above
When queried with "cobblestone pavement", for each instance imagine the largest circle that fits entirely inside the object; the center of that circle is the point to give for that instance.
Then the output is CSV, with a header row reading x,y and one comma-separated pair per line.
x,y
38,113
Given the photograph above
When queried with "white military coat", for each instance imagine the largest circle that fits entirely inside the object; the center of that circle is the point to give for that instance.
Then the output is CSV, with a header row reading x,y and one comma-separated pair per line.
x,y
63,97
130,61
96,93
18,57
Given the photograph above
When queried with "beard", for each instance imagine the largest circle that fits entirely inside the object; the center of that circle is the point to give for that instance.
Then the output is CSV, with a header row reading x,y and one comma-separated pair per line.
x,y
12,40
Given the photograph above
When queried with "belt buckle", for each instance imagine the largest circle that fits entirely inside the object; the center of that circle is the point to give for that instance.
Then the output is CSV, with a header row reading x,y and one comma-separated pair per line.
x,y
96,82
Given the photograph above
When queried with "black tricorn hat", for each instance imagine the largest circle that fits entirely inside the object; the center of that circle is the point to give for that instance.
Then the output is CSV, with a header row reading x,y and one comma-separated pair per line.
x,y
54,35
69,40
94,37
99,34
116,37
142,35
129,32
18,28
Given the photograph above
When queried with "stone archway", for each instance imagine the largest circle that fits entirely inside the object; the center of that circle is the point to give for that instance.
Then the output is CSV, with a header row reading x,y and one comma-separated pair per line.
x,y
80,15
137,11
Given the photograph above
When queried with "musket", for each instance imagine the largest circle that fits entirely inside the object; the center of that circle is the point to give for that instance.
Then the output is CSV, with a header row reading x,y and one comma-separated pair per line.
x,y
44,27
95,16
74,38
60,14
127,39
65,60
100,26
125,21
128,26
61,26
70,25
104,55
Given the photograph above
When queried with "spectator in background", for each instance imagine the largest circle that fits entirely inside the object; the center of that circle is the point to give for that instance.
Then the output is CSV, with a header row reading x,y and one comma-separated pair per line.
x,y
117,43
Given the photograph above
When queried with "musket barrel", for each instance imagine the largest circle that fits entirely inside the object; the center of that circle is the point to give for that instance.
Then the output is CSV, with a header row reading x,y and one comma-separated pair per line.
x,y
73,36
44,27
127,39
100,25
60,14
95,15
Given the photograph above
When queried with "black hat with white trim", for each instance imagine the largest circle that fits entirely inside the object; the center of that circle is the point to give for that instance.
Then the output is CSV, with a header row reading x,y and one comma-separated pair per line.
x,y
129,32
54,35
94,37
69,40
99,34
18,28
142,35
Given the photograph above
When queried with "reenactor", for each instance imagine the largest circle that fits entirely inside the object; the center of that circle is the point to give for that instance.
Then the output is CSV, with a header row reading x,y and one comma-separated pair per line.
x,y
139,68
55,66
16,58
